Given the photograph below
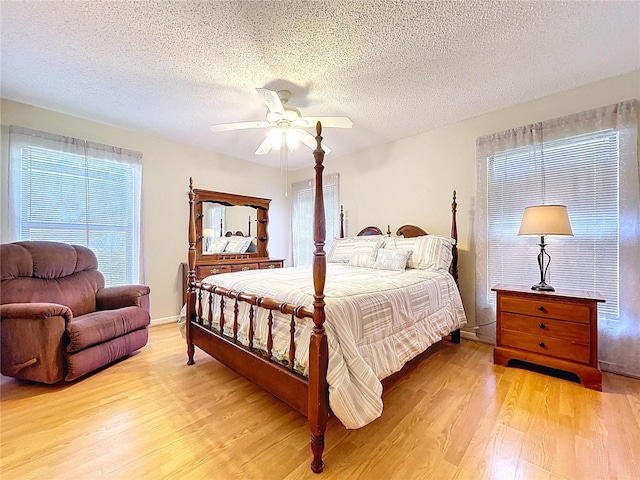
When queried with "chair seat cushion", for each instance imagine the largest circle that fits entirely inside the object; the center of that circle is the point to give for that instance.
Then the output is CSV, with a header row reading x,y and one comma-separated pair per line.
x,y
98,327
89,359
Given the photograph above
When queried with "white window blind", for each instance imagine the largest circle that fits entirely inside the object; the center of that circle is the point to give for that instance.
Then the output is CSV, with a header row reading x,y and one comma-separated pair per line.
x,y
72,191
580,172
215,218
302,198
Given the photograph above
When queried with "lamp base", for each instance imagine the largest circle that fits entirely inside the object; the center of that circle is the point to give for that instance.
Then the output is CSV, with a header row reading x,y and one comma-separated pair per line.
x,y
543,287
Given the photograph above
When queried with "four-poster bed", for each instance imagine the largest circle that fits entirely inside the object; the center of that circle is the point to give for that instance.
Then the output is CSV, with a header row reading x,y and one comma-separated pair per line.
x,y
282,344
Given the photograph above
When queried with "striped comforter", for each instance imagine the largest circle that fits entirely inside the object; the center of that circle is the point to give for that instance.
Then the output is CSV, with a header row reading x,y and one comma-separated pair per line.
x,y
376,321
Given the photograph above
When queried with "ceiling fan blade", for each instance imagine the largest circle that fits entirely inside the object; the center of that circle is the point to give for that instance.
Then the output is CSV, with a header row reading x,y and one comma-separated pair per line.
x,y
264,147
225,127
310,141
271,98
334,122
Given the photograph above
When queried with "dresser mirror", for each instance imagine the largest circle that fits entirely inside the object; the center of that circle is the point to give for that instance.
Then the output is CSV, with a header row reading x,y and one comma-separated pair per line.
x,y
225,216
244,219
226,221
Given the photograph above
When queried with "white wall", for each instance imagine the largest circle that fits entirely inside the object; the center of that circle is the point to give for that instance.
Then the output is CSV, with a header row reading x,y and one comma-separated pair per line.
x,y
411,180
167,167
407,181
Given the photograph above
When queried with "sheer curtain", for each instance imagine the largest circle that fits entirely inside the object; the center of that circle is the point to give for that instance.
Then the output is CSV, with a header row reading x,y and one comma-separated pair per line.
x,y
588,162
74,191
302,210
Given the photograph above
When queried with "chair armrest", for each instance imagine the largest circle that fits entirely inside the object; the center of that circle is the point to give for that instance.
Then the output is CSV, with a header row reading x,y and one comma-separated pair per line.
x,y
33,339
35,311
111,298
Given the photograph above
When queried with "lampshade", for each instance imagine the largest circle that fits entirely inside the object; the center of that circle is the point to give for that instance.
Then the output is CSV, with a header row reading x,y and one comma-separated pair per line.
x,y
545,220
293,138
281,136
275,138
207,232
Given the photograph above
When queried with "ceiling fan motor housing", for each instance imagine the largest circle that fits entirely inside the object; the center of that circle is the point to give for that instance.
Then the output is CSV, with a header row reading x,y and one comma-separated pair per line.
x,y
291,114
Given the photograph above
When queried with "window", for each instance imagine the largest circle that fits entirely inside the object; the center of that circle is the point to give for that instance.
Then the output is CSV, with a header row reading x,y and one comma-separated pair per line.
x,y
77,192
588,162
580,172
302,198
215,218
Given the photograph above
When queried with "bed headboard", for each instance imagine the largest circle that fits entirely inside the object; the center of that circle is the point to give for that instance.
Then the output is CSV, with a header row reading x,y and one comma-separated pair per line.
x,y
371,230
411,231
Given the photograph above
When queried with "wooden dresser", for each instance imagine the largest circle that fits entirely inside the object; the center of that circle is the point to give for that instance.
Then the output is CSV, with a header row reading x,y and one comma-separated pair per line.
x,y
232,264
553,329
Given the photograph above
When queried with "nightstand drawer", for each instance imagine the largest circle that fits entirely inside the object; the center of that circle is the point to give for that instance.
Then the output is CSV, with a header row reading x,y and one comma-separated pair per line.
x,y
572,312
554,347
575,332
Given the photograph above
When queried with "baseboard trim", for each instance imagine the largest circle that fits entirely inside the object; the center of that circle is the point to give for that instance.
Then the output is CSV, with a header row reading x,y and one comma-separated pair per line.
x,y
473,337
163,321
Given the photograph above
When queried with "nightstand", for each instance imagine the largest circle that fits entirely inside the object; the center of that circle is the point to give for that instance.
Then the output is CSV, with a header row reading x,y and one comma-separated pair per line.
x,y
553,329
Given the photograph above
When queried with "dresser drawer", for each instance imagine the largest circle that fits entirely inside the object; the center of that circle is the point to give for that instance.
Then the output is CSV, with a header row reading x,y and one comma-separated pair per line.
x,y
546,327
277,264
244,266
544,308
554,347
206,270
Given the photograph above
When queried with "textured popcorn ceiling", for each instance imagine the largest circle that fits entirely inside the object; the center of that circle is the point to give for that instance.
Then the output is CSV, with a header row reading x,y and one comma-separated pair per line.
x,y
396,68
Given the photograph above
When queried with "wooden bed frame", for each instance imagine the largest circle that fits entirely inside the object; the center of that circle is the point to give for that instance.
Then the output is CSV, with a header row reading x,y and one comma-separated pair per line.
x,y
309,396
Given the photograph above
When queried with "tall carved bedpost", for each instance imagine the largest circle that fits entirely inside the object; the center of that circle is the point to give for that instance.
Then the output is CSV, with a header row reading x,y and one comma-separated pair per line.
x,y
455,335
318,349
191,277
454,235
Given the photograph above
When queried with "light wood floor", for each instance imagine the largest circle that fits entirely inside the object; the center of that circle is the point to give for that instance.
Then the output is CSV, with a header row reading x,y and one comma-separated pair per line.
x,y
454,415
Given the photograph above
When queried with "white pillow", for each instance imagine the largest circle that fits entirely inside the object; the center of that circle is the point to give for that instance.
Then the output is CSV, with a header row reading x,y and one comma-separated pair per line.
x,y
364,253
430,252
342,249
392,259
245,246
218,245
237,244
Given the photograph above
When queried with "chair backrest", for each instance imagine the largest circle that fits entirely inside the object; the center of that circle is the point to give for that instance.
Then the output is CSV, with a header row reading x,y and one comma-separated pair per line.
x,y
50,272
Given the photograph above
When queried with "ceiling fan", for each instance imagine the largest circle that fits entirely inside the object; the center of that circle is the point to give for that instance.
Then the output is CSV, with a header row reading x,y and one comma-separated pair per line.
x,y
286,122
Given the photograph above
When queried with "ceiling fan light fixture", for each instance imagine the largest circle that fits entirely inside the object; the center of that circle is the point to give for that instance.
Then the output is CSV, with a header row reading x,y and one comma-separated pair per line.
x,y
275,138
284,136
293,138
286,123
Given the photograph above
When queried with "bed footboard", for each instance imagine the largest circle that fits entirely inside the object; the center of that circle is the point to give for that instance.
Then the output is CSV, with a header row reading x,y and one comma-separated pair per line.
x,y
277,376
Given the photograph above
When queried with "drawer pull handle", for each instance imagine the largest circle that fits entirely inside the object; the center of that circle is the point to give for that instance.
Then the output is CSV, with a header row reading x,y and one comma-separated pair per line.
x,y
541,344
542,325
272,266
244,269
214,271
541,308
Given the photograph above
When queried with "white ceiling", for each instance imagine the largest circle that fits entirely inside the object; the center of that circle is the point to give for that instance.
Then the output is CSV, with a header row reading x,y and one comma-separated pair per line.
x,y
396,68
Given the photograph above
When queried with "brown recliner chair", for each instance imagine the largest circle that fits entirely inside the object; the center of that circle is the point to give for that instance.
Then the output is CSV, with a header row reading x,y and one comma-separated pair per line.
x,y
57,320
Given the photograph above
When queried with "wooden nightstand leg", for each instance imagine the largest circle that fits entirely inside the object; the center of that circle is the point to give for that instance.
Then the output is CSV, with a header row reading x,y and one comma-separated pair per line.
x,y
500,357
590,378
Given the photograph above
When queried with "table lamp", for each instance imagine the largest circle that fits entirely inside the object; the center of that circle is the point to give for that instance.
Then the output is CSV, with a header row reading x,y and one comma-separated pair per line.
x,y
542,220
